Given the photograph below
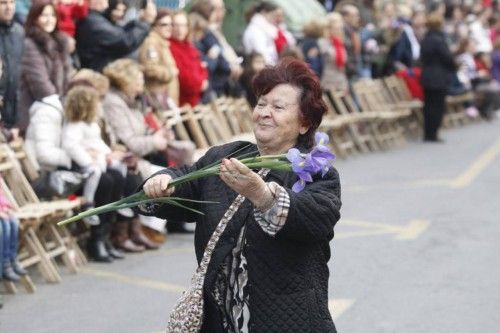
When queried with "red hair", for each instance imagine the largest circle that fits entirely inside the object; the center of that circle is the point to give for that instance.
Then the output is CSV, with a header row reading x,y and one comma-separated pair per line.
x,y
298,74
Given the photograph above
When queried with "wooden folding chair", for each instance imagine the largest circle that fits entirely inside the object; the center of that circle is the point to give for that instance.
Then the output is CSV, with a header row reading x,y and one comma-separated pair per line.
x,y
29,169
32,251
234,116
399,95
362,126
455,111
390,132
57,241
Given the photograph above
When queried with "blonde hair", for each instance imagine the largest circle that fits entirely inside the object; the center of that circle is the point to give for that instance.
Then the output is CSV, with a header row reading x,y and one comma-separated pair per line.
x,y
435,21
123,73
314,28
97,80
334,17
197,24
81,104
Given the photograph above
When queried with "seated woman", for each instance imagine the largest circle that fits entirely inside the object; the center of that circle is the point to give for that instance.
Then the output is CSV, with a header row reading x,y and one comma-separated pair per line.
x,y
269,269
125,121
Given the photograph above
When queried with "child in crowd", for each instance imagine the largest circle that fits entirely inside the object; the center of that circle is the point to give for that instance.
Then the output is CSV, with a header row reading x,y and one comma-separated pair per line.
x,y
9,234
82,140
68,11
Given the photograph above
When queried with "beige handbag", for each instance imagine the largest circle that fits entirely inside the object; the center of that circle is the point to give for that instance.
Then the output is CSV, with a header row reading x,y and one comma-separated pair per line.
x,y
187,316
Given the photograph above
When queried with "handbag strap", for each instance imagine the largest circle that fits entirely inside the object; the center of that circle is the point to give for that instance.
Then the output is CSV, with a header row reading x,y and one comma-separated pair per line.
x,y
228,215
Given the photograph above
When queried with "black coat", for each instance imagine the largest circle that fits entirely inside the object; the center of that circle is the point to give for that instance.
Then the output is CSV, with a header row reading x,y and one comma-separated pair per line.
x,y
287,274
11,50
438,65
218,68
99,42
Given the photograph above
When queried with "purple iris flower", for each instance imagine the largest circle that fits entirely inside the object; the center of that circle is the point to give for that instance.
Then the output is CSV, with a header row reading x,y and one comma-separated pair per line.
x,y
321,139
319,159
301,167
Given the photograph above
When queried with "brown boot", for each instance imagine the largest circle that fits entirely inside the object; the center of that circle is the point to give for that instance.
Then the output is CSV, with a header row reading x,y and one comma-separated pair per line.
x,y
153,235
138,236
121,239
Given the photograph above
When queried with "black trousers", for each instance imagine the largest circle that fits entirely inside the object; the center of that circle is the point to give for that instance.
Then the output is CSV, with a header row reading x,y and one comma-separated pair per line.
x,y
434,107
111,187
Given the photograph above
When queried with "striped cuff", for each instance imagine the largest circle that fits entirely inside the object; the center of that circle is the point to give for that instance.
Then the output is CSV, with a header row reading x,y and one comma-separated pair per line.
x,y
273,219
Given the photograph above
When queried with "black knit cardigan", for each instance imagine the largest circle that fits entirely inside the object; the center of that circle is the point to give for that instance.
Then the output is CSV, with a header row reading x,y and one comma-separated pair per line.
x,y
287,274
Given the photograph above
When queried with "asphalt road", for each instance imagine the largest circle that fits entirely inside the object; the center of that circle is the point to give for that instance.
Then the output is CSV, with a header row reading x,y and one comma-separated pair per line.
x,y
417,250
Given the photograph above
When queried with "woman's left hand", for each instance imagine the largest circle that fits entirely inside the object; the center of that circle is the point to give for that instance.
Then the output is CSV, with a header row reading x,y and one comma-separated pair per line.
x,y
243,180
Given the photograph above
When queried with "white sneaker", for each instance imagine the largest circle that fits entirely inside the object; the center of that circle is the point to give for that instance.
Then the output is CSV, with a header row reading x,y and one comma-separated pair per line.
x,y
92,220
127,212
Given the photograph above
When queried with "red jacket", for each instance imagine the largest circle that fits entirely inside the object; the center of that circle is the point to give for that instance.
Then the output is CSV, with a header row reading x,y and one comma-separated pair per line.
x,y
191,72
68,13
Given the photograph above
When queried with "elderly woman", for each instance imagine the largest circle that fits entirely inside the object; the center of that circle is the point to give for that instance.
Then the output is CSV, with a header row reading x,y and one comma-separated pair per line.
x,y
268,271
126,124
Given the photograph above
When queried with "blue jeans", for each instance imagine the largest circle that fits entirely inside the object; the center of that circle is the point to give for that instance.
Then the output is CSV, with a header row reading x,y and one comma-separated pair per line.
x,y
10,233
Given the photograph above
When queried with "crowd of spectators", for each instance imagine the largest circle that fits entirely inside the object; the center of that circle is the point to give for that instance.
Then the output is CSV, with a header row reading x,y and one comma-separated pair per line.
x,y
82,81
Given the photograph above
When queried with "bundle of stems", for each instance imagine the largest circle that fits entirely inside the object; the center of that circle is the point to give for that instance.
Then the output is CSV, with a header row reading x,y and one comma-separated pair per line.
x,y
273,162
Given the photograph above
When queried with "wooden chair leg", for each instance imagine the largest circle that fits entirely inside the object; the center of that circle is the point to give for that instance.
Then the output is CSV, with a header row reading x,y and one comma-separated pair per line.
x,y
66,257
72,245
47,268
10,287
28,284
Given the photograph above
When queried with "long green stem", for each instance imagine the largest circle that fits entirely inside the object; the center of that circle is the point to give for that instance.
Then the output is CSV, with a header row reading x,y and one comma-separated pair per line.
x,y
274,162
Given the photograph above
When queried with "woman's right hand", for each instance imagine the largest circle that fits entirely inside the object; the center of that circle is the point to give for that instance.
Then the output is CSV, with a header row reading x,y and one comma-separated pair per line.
x,y
157,186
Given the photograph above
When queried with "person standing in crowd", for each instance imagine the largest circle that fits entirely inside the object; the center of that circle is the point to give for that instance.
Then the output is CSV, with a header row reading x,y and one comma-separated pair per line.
x,y
99,41
284,40
193,75
218,12
219,69
261,31
160,70
334,54
352,40
313,31
438,68
404,48
269,269
46,65
115,12
11,50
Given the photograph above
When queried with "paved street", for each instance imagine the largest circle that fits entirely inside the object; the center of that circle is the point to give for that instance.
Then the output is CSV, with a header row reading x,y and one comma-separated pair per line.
x,y
417,250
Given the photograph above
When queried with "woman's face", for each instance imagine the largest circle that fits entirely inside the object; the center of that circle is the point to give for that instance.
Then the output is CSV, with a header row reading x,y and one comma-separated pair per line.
x,y
276,119
164,27
118,13
180,27
47,20
336,28
136,85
